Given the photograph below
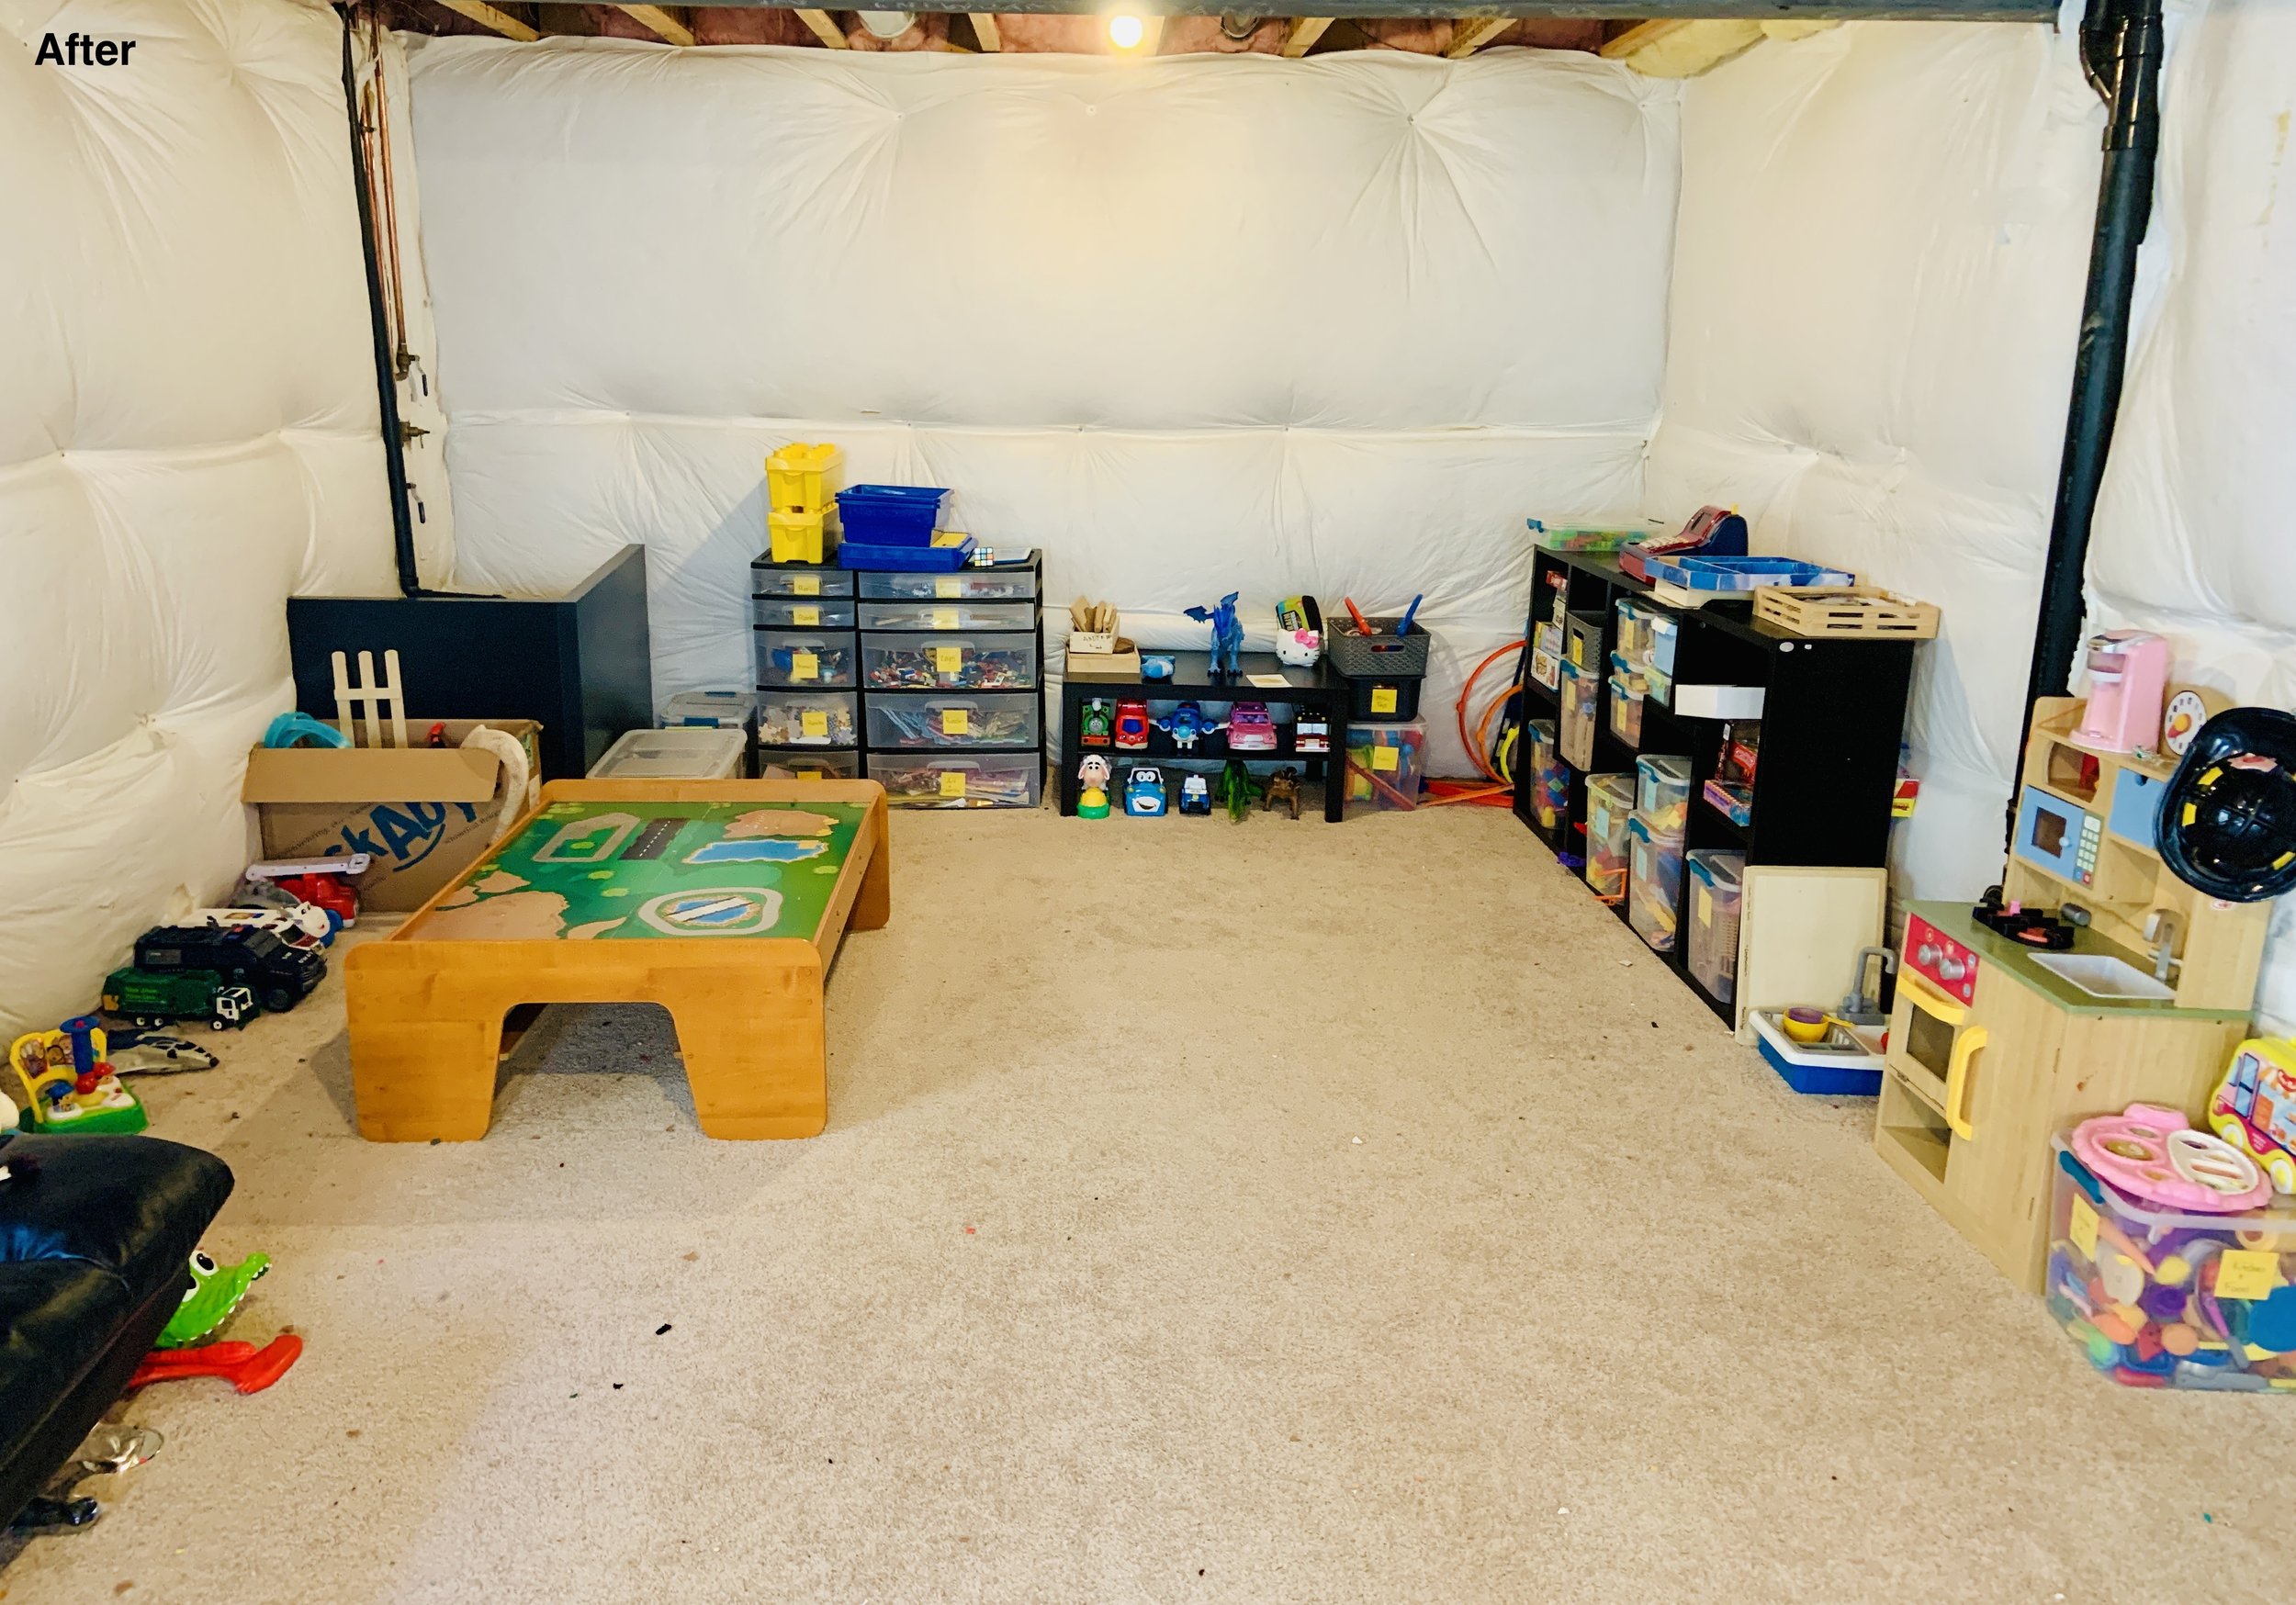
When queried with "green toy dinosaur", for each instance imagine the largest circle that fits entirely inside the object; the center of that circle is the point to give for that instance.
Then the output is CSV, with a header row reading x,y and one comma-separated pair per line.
x,y
215,1292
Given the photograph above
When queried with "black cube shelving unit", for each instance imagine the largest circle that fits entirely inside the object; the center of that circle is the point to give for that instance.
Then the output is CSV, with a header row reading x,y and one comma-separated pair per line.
x,y
1832,724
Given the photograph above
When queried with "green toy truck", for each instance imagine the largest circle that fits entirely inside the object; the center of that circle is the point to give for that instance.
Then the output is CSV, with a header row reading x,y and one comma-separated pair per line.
x,y
147,998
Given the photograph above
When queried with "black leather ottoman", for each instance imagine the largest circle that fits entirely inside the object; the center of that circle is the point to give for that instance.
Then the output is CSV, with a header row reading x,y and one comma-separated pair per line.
x,y
96,1234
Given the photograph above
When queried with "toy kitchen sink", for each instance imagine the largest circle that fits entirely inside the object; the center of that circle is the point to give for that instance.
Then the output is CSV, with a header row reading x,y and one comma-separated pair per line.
x,y
1998,1043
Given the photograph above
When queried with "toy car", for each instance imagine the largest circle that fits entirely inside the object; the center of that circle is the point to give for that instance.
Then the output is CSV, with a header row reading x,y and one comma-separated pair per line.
x,y
306,926
134,1052
1096,723
1311,733
1143,793
1131,725
1194,794
145,998
1250,729
279,975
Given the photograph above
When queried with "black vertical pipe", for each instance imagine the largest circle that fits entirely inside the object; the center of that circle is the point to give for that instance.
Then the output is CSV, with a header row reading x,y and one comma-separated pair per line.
x,y
2120,45
386,378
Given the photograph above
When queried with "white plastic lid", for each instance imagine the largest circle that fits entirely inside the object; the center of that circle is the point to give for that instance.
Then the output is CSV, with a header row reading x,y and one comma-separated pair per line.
x,y
686,753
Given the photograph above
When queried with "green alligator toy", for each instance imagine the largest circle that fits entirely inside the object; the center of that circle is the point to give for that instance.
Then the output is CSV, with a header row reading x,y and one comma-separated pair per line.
x,y
215,1291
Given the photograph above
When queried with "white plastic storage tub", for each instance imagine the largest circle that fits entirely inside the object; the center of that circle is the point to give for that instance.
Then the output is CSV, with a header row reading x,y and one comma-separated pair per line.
x,y
797,612
808,764
933,661
794,718
1654,882
979,780
802,658
948,615
1715,882
687,753
987,719
720,710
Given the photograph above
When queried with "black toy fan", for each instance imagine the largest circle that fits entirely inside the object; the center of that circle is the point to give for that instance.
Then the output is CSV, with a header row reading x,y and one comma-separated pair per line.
x,y
2228,818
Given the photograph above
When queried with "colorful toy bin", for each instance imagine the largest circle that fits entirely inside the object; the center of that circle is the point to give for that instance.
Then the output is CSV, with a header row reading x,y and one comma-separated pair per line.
x,y
2158,1295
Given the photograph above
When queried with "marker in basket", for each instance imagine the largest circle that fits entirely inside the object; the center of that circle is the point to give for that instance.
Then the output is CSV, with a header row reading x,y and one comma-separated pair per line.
x,y
1403,626
1363,625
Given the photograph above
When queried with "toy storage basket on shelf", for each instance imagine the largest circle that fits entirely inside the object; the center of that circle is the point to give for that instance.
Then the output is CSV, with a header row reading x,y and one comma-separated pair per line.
x,y
1582,695
1385,764
892,515
2159,1298
1737,573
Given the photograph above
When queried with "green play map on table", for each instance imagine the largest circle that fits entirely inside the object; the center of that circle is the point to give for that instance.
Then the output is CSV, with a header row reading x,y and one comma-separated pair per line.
x,y
605,871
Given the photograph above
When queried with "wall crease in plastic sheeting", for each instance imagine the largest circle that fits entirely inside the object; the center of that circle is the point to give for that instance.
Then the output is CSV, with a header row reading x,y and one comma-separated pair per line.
x,y
1189,325
2192,537
1877,286
188,433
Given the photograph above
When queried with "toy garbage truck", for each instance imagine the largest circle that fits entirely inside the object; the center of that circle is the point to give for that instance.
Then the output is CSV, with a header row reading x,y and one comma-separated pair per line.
x,y
147,997
278,974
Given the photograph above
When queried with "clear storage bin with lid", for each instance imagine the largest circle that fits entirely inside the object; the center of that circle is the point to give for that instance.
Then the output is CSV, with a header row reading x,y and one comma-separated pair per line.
x,y
1610,803
689,752
1581,693
1654,882
1663,791
1715,876
1627,690
1543,772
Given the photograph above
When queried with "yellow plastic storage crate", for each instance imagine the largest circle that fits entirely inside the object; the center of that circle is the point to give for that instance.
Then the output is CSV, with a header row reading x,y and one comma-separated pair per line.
x,y
799,478
795,537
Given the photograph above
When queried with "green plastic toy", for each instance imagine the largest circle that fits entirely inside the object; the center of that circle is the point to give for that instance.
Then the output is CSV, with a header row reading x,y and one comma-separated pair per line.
x,y
215,1291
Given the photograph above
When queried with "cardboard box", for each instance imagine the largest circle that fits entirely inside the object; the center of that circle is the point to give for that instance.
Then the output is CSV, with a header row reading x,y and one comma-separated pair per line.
x,y
1121,662
423,813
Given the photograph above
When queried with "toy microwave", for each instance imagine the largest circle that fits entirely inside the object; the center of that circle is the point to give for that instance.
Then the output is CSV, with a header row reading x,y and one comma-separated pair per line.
x,y
2058,836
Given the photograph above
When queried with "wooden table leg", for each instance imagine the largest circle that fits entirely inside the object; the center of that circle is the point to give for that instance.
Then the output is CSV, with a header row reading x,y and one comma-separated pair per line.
x,y
755,1046
873,908
414,1076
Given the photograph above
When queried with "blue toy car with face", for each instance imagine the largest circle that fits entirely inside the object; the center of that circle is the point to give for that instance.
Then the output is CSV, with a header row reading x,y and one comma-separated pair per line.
x,y
1143,793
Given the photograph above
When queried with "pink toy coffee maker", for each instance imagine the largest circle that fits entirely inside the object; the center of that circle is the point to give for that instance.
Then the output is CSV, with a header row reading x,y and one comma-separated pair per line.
x,y
2128,680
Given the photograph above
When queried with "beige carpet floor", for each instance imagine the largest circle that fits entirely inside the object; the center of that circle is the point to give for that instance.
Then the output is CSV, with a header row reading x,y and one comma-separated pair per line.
x,y
1262,1213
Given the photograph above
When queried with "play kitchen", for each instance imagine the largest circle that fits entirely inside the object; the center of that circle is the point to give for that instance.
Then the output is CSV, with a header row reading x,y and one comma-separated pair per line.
x,y
2115,964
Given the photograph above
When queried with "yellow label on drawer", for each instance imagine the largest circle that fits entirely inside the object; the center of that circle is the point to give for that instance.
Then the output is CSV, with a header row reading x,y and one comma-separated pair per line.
x,y
804,666
813,723
2247,1273
948,659
810,774
2081,1226
1383,758
956,721
952,782
805,617
948,585
944,618
1383,702
1706,906
805,585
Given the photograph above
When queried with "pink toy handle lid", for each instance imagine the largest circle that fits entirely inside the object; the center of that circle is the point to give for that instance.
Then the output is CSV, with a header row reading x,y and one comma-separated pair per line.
x,y
2156,1154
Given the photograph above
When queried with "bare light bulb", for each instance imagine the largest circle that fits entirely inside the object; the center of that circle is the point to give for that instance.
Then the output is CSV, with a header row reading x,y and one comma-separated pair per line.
x,y
1124,31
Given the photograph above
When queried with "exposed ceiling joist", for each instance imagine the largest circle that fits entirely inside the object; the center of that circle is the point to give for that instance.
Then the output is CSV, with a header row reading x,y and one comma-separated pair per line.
x,y
486,16
824,28
1475,32
984,29
1301,32
668,28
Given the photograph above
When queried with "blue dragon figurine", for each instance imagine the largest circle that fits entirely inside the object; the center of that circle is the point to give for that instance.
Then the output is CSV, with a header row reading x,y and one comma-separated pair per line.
x,y
1227,635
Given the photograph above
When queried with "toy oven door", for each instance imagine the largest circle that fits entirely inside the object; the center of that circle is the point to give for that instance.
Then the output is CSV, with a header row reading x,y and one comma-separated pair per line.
x,y
1928,1038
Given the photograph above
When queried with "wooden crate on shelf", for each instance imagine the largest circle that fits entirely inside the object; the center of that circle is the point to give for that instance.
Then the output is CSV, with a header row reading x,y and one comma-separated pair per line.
x,y
1846,610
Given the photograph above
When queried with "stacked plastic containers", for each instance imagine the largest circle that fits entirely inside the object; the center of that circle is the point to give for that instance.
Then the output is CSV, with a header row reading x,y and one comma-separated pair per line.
x,y
1581,693
1387,764
1548,781
1644,658
801,526
1654,891
899,527
1715,880
952,683
1610,805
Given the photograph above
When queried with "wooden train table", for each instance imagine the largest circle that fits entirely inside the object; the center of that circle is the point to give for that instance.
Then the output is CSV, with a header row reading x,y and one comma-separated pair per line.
x,y
724,901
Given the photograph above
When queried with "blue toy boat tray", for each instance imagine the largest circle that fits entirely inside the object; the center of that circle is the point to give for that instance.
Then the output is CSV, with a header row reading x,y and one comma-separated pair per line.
x,y
1824,1069
1728,574
905,559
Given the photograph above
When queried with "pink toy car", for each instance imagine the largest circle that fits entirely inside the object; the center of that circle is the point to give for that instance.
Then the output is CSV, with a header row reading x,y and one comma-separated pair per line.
x,y
1250,729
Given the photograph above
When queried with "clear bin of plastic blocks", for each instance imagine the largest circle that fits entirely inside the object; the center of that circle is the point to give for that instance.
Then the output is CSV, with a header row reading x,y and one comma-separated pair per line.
x,y
1663,791
1543,772
980,780
808,764
1610,803
1385,764
1654,882
799,657
933,661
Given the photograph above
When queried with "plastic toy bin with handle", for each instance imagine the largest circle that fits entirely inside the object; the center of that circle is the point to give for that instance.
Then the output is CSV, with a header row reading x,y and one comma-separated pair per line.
x,y
1627,690
1610,803
2161,1298
892,515
1543,772
1581,694
1654,882
1663,791
1715,880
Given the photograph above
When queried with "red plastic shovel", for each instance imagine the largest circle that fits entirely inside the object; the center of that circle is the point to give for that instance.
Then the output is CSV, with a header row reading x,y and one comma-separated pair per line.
x,y
243,1365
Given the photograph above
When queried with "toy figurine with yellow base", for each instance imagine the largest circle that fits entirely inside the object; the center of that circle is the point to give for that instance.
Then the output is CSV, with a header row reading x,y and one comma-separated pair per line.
x,y
2255,1107
70,1085
1093,774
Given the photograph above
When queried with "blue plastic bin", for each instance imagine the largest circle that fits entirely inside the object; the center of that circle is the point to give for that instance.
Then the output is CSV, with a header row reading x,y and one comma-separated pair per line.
x,y
891,515
905,559
1742,573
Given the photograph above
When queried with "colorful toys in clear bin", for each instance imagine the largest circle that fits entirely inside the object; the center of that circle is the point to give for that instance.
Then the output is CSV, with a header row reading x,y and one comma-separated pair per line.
x,y
1131,726
821,662
1298,632
2253,1107
1549,782
1143,793
1385,764
962,664
1250,728
1195,795
962,725
2165,1264
1187,726
1093,777
1227,635
815,722
1095,724
68,1083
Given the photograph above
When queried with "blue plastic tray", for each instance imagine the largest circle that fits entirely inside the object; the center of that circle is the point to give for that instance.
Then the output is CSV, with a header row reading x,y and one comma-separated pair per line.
x,y
1741,573
905,559
892,515
1819,1080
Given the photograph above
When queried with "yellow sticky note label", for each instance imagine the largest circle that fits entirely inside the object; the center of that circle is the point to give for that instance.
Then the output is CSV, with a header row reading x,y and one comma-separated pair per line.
x,y
804,666
2081,1226
948,537
813,723
956,721
809,774
1383,758
1706,906
805,585
948,659
805,617
952,782
1383,699
944,618
948,585
2247,1273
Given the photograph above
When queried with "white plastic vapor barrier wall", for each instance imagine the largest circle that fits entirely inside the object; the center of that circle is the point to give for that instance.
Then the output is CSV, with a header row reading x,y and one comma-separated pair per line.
x,y
2193,533
1877,286
1189,325
188,433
